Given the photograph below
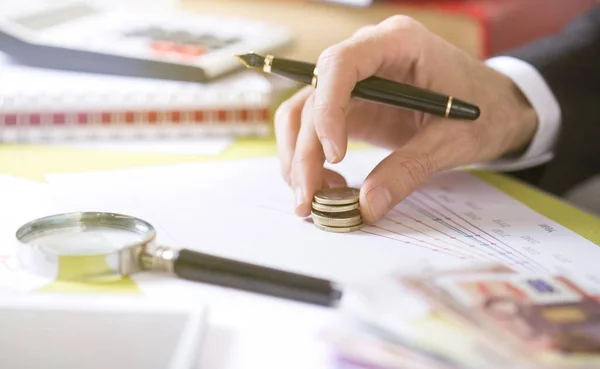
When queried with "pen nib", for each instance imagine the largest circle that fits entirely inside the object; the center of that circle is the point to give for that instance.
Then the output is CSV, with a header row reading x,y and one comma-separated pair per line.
x,y
252,60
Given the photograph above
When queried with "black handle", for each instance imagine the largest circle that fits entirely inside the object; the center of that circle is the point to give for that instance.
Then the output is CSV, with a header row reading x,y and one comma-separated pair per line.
x,y
196,266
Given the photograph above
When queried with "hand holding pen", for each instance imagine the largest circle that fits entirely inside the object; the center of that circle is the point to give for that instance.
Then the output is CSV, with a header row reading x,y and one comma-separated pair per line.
x,y
445,110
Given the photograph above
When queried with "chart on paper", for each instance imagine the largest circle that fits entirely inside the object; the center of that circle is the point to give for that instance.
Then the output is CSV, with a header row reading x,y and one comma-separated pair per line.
x,y
423,222
243,210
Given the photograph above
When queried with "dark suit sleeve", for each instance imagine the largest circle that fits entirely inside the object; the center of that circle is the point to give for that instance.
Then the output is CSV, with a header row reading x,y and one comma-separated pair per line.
x,y
570,64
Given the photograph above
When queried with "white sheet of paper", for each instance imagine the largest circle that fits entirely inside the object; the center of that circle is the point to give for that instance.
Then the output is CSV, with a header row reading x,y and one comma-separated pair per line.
x,y
197,146
243,210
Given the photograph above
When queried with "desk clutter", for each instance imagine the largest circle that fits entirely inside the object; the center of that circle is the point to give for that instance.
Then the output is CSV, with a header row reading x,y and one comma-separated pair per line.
x,y
82,36
72,71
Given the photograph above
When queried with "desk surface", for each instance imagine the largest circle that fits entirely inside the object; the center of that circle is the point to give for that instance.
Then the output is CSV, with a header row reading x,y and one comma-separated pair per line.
x,y
317,25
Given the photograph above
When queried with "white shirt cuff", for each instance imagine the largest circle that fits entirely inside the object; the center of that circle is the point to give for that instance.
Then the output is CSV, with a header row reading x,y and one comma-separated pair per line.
x,y
543,101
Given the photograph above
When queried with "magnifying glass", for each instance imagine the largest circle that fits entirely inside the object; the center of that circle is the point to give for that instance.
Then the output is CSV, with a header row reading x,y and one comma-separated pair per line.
x,y
92,246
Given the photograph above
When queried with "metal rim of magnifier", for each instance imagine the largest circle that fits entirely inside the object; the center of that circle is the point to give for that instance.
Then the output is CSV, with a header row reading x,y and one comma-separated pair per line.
x,y
126,259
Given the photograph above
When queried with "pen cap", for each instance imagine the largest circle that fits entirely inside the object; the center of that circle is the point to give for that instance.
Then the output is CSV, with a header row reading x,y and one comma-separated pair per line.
x,y
463,110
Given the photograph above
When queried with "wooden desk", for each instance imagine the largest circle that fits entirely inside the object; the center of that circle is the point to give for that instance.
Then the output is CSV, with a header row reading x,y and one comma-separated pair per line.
x,y
317,25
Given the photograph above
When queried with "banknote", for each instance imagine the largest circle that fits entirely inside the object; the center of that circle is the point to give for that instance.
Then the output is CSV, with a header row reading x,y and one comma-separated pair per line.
x,y
546,320
396,330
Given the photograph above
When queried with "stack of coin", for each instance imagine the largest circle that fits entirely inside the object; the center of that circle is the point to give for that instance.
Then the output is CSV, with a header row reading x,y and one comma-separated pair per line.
x,y
336,210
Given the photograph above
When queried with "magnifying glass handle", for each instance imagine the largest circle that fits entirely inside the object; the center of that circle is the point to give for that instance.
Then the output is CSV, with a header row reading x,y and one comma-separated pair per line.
x,y
196,266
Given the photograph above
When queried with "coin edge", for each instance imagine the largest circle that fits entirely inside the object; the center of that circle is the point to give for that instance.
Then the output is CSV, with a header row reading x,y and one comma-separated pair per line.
x,y
331,208
348,229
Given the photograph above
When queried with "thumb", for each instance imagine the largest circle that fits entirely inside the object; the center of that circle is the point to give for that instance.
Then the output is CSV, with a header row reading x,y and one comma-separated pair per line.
x,y
391,181
404,170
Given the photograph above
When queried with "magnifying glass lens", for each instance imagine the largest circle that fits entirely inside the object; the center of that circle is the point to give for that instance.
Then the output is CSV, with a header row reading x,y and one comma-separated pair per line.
x,y
83,246
84,240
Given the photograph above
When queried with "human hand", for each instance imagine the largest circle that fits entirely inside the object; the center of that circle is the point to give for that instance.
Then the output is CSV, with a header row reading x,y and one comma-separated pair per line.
x,y
315,125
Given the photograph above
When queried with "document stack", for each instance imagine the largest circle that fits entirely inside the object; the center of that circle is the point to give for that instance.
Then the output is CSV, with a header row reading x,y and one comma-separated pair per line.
x,y
74,70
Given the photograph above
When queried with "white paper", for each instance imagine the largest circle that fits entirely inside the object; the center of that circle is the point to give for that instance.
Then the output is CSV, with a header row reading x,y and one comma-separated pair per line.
x,y
243,210
196,146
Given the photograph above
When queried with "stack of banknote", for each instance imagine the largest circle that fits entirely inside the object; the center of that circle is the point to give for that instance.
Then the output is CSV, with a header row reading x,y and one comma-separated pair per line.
x,y
484,317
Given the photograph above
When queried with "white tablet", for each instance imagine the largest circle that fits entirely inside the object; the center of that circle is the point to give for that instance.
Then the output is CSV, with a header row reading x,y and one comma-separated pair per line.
x,y
99,332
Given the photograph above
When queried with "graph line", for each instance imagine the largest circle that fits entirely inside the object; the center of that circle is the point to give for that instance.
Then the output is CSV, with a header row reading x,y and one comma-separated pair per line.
x,y
444,221
431,227
463,248
423,242
471,224
465,232
414,244
527,263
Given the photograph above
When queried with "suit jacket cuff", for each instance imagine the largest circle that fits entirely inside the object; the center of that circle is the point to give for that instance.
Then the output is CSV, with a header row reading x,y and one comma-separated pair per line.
x,y
543,101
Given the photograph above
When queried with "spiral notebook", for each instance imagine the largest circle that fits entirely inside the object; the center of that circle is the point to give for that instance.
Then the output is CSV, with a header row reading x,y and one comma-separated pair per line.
x,y
44,105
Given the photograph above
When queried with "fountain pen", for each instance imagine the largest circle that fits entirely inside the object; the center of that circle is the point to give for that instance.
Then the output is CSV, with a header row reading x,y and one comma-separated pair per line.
x,y
373,88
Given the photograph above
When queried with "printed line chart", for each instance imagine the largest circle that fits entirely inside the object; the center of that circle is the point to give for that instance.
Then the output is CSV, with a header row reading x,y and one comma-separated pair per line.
x,y
423,221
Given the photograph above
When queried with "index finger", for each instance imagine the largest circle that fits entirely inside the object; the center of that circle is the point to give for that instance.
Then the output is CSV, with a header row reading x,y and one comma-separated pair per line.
x,y
341,66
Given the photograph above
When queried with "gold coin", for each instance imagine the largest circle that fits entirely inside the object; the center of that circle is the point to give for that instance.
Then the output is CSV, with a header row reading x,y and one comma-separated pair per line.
x,y
334,208
340,229
345,219
337,196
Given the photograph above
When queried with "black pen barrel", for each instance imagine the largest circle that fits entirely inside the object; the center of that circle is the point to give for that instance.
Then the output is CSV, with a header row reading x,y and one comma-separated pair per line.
x,y
200,267
410,97
298,71
381,90
399,95
464,110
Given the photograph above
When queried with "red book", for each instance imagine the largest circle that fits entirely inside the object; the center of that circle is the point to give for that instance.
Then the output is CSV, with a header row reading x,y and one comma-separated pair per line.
x,y
506,24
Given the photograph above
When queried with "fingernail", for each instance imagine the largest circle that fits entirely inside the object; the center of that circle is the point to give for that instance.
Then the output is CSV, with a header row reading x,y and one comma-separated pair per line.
x,y
299,196
336,183
329,149
379,200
